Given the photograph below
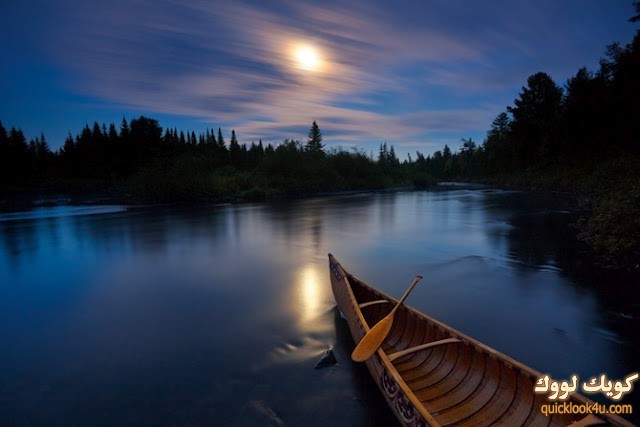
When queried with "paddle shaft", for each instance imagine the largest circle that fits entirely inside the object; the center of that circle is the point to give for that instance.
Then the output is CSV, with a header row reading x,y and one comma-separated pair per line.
x,y
406,294
376,335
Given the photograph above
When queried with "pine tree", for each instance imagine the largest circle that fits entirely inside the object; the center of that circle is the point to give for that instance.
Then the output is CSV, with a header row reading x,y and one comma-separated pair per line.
x,y
315,139
220,150
220,139
536,117
113,134
446,152
235,152
124,129
269,150
383,154
43,147
393,159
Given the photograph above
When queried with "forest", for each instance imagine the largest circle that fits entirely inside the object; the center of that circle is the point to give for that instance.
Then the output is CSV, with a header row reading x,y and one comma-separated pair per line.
x,y
140,159
582,138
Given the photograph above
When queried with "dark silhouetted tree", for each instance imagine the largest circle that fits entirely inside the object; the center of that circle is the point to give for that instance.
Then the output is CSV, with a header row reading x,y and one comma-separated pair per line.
x,y
499,156
220,138
446,152
256,154
235,152
314,143
16,157
124,129
536,116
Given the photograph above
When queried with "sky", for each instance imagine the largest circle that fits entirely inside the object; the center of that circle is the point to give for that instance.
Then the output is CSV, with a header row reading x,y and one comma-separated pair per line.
x,y
415,74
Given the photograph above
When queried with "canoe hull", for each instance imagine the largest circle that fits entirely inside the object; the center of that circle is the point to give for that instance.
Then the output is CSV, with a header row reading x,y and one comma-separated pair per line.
x,y
431,374
402,407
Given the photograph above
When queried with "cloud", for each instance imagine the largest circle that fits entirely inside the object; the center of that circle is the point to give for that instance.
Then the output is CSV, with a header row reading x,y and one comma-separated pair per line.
x,y
230,64
397,72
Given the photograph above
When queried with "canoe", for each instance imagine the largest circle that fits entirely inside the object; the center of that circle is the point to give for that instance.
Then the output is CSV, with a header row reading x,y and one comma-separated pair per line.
x,y
433,375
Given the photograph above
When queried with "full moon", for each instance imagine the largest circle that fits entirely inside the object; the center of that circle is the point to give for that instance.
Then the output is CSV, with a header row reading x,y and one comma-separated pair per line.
x,y
307,58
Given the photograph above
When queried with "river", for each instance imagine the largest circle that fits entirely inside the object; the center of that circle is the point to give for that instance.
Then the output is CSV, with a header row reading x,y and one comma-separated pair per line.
x,y
217,314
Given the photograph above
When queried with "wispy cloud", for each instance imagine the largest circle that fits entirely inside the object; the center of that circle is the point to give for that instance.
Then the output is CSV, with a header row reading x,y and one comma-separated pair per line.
x,y
230,64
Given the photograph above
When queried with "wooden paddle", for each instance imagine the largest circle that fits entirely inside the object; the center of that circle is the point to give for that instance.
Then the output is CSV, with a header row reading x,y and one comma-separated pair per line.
x,y
373,339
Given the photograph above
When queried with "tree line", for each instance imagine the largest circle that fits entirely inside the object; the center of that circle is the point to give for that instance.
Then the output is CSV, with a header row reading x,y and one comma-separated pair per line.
x,y
141,157
593,119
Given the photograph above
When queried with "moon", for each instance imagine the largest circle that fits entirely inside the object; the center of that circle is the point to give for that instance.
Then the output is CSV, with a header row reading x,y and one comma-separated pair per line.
x,y
307,58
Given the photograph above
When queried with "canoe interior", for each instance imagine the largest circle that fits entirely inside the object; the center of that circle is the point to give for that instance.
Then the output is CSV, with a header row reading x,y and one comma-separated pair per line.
x,y
463,383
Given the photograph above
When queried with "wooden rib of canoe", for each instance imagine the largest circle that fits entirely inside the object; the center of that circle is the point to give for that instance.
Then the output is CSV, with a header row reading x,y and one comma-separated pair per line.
x,y
432,375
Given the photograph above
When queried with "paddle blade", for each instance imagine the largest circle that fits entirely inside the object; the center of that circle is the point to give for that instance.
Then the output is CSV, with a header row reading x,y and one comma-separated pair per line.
x,y
372,340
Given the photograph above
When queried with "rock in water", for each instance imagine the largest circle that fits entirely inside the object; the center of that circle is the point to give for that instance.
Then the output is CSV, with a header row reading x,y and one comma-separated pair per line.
x,y
328,359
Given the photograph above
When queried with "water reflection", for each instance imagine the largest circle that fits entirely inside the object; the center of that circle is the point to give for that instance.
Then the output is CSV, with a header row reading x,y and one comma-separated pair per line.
x,y
309,294
179,315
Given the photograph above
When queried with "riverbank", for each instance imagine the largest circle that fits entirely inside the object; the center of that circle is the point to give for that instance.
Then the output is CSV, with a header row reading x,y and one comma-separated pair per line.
x,y
606,197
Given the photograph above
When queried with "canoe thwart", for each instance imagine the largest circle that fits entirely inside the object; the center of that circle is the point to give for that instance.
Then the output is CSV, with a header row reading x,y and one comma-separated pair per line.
x,y
397,354
367,304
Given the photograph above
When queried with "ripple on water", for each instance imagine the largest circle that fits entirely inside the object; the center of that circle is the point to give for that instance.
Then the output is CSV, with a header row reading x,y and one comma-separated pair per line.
x,y
61,211
609,335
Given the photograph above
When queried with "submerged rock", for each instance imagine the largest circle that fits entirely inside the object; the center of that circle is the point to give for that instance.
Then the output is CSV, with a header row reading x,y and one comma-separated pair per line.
x,y
327,359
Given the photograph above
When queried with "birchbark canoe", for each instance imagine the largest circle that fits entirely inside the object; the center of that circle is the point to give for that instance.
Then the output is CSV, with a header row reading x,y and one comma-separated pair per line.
x,y
433,375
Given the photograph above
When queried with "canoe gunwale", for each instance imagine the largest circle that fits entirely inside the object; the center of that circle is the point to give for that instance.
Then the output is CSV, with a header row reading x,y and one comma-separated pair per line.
x,y
449,332
384,359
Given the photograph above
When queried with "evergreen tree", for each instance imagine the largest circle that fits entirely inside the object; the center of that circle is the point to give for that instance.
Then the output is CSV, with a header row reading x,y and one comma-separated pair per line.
x,y
96,134
383,154
33,147
113,133
16,167
219,148
220,139
536,118
256,153
235,152
393,159
124,129
583,112
498,156
43,147
314,144
446,152
269,150
500,126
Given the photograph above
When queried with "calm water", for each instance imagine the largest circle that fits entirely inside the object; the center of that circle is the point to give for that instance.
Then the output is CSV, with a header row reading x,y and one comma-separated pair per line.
x,y
216,315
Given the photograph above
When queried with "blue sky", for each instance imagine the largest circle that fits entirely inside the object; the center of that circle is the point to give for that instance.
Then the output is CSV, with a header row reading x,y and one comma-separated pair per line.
x,y
415,74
